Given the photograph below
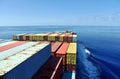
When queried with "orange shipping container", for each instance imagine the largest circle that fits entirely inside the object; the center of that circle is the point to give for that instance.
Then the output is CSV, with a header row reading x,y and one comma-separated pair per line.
x,y
62,52
9,46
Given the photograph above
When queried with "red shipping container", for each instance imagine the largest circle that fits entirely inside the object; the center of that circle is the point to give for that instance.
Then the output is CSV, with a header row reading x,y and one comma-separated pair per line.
x,y
52,69
69,38
55,46
66,37
70,67
9,46
62,52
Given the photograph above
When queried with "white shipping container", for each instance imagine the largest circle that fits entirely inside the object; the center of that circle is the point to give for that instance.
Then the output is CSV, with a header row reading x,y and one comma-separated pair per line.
x,y
74,38
6,43
14,50
18,35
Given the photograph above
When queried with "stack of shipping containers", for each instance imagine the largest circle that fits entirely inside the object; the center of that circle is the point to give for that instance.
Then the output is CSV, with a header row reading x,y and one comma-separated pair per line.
x,y
21,60
17,36
52,36
71,57
25,59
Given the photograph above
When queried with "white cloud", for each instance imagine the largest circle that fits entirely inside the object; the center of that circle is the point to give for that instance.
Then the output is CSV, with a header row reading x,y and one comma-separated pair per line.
x,y
101,20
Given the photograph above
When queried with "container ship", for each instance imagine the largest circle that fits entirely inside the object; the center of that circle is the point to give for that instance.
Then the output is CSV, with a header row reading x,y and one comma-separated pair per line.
x,y
39,56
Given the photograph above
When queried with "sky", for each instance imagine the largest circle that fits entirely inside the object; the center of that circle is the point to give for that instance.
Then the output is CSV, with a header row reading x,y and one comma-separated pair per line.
x,y
60,12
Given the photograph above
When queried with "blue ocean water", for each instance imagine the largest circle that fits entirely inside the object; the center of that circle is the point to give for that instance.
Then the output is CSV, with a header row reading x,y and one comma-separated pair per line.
x,y
102,41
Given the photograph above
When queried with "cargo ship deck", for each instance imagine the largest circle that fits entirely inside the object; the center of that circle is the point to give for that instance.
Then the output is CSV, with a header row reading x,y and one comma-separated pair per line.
x,y
39,56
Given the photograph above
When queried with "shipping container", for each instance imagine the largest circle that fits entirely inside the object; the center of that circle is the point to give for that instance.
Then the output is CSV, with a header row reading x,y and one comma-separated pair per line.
x,y
24,65
65,37
69,38
6,43
51,37
70,67
24,37
46,36
55,46
21,37
40,37
9,46
52,69
16,49
62,52
74,38
5,40
62,37
71,54
17,36
29,37
58,36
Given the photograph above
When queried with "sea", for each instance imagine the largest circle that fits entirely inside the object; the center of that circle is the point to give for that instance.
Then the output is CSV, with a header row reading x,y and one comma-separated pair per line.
x,y
103,43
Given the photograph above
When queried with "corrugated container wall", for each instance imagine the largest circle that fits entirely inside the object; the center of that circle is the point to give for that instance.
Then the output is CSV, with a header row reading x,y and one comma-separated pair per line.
x,y
16,49
62,52
54,47
71,54
6,43
17,36
70,38
71,57
9,46
52,37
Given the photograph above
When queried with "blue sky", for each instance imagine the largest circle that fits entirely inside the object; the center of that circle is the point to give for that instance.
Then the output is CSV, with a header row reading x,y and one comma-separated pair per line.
x,y
60,12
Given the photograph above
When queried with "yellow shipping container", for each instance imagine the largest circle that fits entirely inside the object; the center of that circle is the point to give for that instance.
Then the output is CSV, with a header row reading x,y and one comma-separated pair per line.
x,y
61,37
72,48
33,37
30,37
71,59
15,37
24,37
71,54
52,37
40,37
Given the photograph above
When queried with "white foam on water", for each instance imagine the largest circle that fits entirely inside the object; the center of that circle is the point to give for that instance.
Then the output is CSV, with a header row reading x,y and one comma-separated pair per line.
x,y
87,51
